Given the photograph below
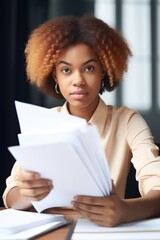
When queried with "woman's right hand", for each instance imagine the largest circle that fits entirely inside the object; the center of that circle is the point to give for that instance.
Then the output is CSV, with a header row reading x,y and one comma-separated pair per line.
x,y
31,186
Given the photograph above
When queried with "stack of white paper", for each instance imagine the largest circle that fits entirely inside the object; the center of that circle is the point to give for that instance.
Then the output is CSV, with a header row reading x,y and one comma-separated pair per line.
x,y
138,230
62,148
16,224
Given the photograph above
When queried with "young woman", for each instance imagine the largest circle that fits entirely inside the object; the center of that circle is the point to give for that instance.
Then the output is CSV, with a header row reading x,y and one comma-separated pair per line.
x,y
78,59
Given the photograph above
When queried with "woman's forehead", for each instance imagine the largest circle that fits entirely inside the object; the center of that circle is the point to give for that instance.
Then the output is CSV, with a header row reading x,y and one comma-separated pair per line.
x,y
77,53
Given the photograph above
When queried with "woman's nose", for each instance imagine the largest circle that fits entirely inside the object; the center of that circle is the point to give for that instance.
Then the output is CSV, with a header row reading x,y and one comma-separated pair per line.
x,y
78,79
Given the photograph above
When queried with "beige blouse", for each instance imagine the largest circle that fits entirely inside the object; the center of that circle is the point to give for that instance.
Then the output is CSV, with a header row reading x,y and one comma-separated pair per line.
x,y
126,138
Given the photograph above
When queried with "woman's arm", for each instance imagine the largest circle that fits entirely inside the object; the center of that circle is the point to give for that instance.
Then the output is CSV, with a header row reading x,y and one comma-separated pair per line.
x,y
16,201
143,207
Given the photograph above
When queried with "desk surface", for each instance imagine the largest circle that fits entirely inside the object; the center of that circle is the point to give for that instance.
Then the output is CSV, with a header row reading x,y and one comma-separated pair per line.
x,y
62,232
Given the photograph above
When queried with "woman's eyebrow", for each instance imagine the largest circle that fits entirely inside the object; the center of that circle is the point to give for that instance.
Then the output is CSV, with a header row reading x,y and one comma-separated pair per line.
x,y
64,62
86,62
90,60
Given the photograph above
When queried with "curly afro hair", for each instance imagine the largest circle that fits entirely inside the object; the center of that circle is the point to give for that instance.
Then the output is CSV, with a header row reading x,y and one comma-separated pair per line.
x,y
48,40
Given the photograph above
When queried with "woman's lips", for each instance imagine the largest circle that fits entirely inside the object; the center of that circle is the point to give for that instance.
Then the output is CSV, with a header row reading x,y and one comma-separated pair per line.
x,y
79,95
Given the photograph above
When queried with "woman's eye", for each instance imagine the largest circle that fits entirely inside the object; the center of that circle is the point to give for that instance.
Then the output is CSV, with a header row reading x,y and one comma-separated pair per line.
x,y
89,68
66,70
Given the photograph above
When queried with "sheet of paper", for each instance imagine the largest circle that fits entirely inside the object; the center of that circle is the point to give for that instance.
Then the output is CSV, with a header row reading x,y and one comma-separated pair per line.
x,y
35,119
117,236
139,230
31,233
13,221
86,226
60,163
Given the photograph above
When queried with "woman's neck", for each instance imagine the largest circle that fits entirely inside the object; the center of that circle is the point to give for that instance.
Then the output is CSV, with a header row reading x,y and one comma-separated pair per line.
x,y
83,112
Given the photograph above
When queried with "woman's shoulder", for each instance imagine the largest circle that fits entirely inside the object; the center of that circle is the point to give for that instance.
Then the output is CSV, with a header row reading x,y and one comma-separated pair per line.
x,y
119,110
122,110
129,117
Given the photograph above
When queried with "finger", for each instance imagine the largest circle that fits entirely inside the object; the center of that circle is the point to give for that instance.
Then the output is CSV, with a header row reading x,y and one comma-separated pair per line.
x,y
89,215
36,198
97,201
88,208
35,183
35,192
27,175
99,222
104,223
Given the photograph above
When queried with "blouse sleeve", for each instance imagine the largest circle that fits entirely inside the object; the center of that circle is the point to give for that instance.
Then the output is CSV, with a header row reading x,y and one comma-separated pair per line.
x,y
10,181
145,154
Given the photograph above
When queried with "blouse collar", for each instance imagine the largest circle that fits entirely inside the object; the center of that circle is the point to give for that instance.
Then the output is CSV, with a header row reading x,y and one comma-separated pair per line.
x,y
99,116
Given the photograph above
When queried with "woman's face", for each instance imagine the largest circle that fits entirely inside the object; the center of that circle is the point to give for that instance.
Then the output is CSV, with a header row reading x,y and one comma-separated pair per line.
x,y
79,75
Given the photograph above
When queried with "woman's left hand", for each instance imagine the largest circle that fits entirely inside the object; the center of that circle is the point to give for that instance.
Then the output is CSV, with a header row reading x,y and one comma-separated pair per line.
x,y
104,211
